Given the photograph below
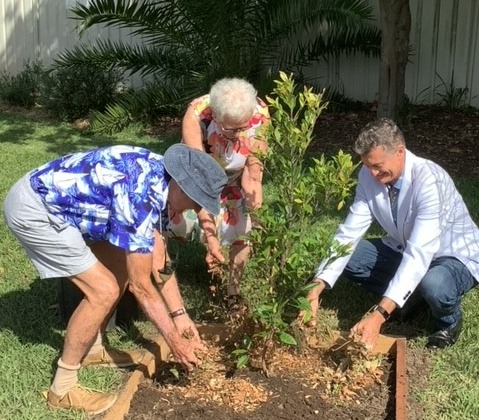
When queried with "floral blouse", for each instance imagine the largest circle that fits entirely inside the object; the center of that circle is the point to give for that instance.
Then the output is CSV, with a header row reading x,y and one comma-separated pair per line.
x,y
231,154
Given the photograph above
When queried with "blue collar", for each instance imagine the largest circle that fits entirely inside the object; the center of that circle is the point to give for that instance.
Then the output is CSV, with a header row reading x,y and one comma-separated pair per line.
x,y
397,184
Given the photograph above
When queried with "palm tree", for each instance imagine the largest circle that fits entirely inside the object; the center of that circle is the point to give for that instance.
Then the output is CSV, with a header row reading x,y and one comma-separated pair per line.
x,y
184,46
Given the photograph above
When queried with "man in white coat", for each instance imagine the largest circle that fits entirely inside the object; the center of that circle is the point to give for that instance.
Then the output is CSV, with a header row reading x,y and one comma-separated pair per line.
x,y
432,244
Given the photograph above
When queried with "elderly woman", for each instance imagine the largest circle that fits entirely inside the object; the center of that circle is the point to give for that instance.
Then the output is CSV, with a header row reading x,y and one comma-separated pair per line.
x,y
228,123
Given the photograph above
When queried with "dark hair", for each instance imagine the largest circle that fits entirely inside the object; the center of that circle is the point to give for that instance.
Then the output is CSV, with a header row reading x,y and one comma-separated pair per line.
x,y
383,132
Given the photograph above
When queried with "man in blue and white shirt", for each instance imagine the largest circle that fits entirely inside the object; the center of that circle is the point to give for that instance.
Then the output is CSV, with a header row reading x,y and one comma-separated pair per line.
x,y
91,217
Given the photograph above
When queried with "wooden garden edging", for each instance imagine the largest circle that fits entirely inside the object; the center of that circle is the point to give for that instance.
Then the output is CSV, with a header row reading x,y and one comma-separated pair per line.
x,y
396,346
159,352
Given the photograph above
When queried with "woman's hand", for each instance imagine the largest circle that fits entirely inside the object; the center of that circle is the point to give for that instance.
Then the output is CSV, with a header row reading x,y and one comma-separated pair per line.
x,y
214,254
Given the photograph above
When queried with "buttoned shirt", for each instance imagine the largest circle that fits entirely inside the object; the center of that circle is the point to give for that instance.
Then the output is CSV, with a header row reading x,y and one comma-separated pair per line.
x,y
114,193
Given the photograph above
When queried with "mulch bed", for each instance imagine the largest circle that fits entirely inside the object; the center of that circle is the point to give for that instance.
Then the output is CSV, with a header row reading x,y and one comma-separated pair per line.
x,y
344,383
448,137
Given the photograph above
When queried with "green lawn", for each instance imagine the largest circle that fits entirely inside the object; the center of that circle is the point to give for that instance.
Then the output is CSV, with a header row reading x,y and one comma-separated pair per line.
x,y
31,334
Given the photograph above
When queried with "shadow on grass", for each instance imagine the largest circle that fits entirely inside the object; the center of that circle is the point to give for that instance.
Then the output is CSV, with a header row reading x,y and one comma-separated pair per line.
x,y
39,315
63,138
32,315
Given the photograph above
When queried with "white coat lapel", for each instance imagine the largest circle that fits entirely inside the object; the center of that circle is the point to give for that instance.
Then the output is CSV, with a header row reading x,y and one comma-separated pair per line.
x,y
404,198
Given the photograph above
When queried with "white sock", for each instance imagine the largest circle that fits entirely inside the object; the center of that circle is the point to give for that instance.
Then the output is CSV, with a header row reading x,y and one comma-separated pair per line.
x,y
66,378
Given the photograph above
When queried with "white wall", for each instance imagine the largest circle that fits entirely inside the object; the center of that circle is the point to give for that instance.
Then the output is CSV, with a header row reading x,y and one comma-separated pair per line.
x,y
41,29
444,40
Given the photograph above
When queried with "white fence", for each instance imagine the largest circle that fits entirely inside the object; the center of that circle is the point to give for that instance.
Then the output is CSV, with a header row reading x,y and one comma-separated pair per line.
x,y
444,40
445,47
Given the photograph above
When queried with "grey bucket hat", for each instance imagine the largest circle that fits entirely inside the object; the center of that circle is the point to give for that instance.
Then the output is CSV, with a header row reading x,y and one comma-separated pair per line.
x,y
199,176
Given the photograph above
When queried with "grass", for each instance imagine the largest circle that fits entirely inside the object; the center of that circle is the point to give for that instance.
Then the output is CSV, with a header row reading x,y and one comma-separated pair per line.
x,y
31,334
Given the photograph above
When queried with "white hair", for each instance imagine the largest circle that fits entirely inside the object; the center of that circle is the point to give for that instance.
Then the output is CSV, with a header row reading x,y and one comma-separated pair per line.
x,y
233,99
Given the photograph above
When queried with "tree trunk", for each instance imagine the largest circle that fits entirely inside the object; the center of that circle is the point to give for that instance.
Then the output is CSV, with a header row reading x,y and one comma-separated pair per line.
x,y
395,18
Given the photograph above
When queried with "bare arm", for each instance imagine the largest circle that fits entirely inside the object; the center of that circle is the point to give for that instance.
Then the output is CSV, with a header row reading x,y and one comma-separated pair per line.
x,y
167,285
207,223
139,271
252,177
191,129
251,183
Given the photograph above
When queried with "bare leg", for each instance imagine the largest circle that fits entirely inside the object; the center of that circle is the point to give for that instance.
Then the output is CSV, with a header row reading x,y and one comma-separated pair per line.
x,y
239,255
101,294
114,259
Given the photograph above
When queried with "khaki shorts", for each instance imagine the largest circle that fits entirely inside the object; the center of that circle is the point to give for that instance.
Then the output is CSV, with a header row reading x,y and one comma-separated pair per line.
x,y
56,248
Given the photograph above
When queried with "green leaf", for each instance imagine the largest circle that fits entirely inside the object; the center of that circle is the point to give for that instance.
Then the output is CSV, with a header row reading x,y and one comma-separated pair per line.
x,y
286,338
189,44
175,373
242,361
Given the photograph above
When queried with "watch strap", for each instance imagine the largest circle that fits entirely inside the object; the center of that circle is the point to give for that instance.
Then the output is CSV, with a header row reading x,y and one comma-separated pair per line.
x,y
382,311
178,312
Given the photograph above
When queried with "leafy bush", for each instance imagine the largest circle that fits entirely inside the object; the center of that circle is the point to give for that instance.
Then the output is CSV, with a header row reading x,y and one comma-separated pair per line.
x,y
23,88
450,95
293,230
69,93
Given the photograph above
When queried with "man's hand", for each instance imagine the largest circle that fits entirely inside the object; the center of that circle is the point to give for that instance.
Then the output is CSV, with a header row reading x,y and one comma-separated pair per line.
x,y
184,350
313,298
186,327
368,329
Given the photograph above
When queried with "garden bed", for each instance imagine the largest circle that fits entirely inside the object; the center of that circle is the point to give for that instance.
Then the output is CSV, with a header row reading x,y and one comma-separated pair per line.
x,y
329,380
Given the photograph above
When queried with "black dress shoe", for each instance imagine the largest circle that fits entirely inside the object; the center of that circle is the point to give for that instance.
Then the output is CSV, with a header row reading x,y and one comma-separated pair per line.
x,y
445,338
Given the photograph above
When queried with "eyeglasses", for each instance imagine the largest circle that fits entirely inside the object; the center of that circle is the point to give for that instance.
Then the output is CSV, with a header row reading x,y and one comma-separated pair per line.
x,y
233,130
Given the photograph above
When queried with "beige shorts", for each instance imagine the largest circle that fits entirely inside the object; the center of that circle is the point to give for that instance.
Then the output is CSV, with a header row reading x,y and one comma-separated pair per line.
x,y
55,247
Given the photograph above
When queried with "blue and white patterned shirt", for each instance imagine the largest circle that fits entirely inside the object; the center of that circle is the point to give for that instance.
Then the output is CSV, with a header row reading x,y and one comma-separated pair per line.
x,y
114,193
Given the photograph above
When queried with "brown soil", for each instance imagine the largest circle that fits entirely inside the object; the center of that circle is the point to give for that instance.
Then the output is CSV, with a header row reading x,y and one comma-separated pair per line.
x,y
448,137
324,381
316,384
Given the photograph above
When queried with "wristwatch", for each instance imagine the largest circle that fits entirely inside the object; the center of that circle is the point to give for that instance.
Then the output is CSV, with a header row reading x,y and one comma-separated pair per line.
x,y
382,311
178,312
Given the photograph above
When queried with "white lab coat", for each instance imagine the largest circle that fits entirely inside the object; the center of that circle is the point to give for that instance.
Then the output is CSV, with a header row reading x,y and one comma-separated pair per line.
x,y
432,221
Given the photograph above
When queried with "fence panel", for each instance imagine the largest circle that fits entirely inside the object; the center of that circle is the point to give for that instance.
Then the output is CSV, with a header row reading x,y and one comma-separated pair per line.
x,y
444,40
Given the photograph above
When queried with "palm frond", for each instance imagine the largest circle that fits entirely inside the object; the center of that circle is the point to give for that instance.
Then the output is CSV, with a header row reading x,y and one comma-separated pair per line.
x,y
190,44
